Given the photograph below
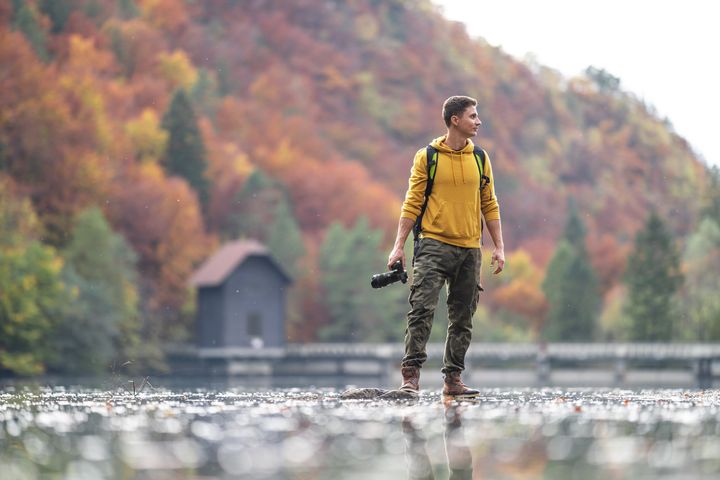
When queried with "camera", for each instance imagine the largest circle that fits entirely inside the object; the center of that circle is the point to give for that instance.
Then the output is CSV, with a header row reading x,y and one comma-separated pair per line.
x,y
384,279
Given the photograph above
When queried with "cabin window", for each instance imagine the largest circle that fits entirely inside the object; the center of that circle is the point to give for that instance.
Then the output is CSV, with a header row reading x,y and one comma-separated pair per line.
x,y
254,325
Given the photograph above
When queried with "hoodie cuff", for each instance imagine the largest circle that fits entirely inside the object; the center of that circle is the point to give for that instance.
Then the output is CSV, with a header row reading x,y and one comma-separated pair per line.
x,y
409,215
492,216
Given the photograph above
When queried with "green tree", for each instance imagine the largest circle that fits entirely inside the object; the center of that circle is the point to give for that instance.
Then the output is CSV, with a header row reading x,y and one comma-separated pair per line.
x,y
18,221
263,212
58,11
711,202
575,231
702,264
204,92
128,9
25,20
32,294
103,322
605,82
185,155
225,79
348,258
653,279
285,241
31,289
255,204
285,238
571,287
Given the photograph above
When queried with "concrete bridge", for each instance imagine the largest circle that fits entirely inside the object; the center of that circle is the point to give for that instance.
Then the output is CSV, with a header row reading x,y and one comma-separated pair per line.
x,y
612,364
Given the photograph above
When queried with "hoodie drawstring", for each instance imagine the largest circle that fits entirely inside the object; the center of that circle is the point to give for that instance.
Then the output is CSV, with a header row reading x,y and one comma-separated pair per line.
x,y
462,168
452,166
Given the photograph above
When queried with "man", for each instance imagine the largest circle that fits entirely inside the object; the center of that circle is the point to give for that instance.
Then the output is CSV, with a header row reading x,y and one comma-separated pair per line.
x,y
449,249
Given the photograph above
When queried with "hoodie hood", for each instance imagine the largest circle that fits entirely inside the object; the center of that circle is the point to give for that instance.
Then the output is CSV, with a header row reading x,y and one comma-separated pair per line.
x,y
456,158
439,144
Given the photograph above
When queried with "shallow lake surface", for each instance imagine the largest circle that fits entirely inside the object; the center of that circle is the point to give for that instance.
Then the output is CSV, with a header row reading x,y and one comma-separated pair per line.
x,y
317,434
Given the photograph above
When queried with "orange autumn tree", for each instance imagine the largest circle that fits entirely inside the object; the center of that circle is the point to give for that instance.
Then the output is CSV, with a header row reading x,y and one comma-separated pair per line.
x,y
520,292
161,219
54,139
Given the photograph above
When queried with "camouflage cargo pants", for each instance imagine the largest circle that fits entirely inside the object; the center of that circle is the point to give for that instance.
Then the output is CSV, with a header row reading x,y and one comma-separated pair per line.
x,y
435,264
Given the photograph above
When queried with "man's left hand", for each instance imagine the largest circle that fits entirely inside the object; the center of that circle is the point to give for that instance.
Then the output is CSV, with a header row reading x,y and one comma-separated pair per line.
x,y
498,257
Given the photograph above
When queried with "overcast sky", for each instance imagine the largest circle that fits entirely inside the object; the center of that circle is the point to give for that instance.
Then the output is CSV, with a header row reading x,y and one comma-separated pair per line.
x,y
664,51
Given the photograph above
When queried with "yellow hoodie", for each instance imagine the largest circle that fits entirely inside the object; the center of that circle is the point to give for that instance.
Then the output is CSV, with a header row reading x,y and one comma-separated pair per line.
x,y
453,211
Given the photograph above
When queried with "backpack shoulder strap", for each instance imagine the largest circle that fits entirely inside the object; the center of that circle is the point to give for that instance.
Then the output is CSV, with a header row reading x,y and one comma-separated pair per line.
x,y
480,156
431,155
432,161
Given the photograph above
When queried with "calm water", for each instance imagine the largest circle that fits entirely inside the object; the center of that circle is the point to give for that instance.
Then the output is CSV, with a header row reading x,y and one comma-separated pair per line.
x,y
315,434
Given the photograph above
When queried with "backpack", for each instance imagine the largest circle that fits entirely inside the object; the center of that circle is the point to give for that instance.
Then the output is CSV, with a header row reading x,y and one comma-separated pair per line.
x,y
432,163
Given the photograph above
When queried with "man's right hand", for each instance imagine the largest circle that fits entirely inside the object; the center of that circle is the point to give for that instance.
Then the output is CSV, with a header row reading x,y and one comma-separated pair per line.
x,y
398,252
395,255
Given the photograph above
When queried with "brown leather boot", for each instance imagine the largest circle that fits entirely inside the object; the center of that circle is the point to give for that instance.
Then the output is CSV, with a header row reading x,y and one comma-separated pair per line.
x,y
454,387
411,379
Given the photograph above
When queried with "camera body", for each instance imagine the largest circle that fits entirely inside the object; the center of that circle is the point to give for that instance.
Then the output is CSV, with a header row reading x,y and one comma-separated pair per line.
x,y
384,279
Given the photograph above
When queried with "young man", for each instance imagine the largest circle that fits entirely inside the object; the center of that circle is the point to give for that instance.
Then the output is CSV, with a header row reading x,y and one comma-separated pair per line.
x,y
449,249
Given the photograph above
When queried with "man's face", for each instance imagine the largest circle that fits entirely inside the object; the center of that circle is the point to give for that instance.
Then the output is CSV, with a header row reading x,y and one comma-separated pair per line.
x,y
468,123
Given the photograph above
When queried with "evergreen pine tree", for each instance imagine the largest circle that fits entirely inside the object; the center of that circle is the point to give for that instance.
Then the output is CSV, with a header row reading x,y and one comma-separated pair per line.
x,y
702,264
711,202
571,287
285,239
653,278
575,231
204,92
26,21
255,205
358,312
128,9
185,153
103,321
58,11
224,77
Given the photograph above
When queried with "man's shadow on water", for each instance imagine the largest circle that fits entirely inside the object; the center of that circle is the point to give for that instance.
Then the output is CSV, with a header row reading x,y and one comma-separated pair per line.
x,y
459,459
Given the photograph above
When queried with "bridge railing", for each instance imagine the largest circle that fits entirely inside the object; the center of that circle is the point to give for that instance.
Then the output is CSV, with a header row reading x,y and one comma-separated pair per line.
x,y
699,360
520,351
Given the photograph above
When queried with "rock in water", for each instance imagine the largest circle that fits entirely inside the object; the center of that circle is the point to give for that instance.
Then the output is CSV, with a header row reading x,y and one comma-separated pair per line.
x,y
399,395
362,393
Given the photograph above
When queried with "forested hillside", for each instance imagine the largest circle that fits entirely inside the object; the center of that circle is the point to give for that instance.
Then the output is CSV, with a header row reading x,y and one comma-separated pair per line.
x,y
138,135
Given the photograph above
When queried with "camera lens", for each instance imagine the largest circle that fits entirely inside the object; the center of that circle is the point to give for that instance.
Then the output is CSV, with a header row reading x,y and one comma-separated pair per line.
x,y
382,279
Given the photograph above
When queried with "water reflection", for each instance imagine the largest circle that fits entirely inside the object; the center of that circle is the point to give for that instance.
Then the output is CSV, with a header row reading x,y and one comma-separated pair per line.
x,y
418,461
514,453
294,433
456,447
457,452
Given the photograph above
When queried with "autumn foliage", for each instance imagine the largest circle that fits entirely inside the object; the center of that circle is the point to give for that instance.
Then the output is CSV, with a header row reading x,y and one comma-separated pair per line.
x,y
328,98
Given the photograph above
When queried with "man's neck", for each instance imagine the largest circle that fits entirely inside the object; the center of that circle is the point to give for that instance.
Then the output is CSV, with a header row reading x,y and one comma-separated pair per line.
x,y
455,141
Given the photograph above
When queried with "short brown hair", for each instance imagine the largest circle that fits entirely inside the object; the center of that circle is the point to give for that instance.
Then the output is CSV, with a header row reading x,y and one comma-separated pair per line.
x,y
456,105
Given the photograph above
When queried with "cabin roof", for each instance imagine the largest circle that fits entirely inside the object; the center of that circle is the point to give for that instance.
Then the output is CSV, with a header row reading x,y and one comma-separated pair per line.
x,y
229,257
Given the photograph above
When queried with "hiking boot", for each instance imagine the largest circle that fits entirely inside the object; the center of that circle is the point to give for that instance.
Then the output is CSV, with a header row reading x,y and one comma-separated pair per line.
x,y
454,387
411,379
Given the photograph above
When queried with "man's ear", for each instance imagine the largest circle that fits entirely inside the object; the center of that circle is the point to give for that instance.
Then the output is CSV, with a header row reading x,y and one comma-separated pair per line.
x,y
455,120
